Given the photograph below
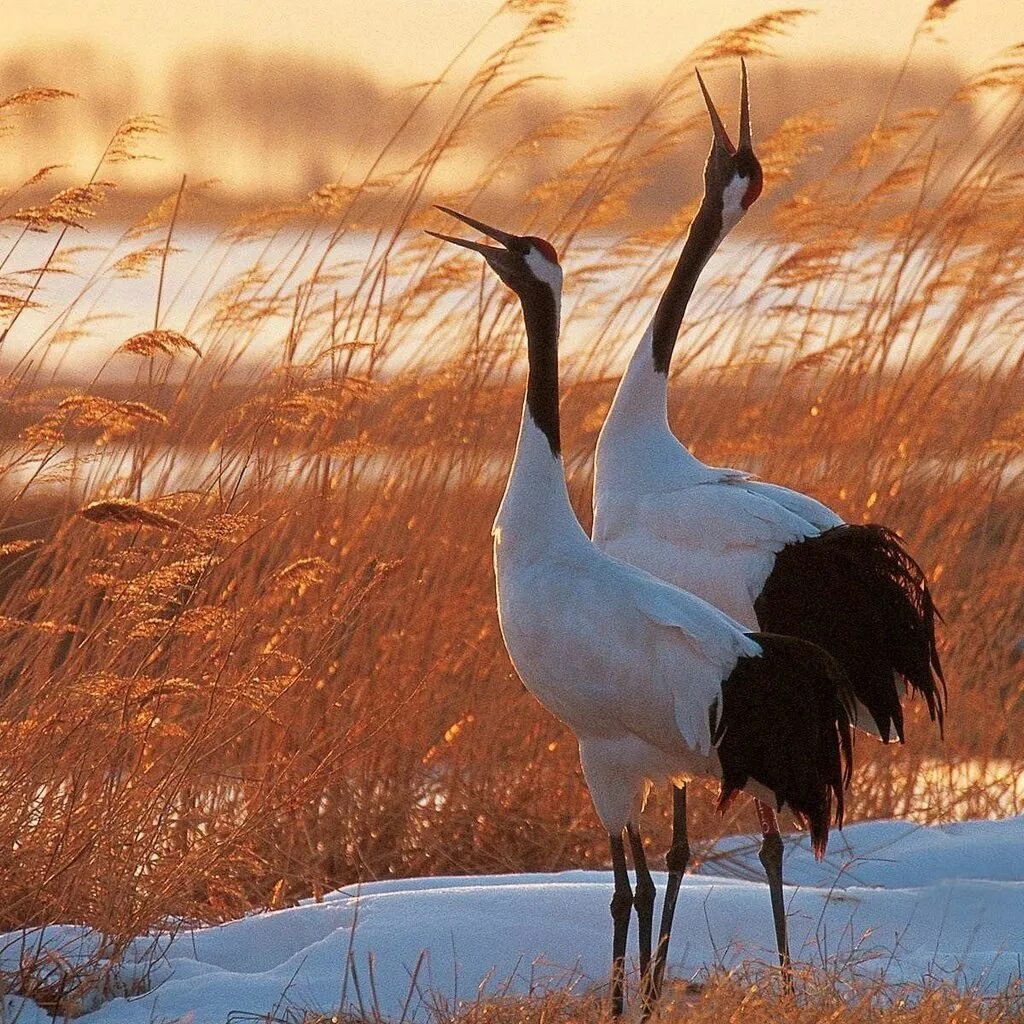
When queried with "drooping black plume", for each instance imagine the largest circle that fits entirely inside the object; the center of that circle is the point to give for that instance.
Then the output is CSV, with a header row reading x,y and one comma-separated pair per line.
x,y
785,722
856,591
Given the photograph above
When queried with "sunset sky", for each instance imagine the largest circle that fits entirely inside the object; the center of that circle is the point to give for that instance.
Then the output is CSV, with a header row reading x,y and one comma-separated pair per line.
x,y
274,98
609,43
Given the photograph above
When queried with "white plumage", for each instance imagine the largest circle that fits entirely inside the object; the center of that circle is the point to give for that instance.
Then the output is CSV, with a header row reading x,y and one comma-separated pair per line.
x,y
629,663
770,557
718,533
711,531
657,684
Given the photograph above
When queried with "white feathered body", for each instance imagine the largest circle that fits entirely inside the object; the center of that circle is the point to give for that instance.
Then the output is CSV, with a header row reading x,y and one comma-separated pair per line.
x,y
710,531
716,537
714,532
631,664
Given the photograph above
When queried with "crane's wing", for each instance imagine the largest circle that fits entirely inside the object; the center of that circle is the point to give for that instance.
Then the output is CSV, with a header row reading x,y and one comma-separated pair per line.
x,y
693,648
715,517
608,648
807,508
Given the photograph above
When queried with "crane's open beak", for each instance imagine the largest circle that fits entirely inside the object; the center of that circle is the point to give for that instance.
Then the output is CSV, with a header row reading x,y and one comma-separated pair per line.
x,y
721,135
507,240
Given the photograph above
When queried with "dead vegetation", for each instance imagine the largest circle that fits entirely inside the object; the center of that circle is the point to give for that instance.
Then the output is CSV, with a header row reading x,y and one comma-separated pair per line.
x,y
735,997
249,648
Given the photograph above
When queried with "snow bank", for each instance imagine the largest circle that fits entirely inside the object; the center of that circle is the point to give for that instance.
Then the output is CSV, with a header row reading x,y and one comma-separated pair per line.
x,y
894,899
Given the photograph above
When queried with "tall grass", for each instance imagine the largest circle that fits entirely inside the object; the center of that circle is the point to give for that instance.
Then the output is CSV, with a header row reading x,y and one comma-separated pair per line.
x,y
734,997
231,680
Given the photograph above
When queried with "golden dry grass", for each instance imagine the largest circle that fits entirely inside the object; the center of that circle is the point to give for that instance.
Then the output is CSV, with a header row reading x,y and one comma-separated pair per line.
x,y
737,998
732,1000
285,673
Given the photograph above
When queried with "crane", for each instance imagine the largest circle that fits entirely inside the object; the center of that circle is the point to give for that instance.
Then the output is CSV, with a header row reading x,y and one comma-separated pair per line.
x,y
772,558
657,685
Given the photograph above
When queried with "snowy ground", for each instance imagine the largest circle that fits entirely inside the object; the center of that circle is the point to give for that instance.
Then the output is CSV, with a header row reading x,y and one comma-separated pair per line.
x,y
912,903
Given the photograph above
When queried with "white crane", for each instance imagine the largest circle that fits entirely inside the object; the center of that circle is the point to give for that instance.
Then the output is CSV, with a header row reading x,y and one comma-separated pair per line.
x,y
657,685
772,558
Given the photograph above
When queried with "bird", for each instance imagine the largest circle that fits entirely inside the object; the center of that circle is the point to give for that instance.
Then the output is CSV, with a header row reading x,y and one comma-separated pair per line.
x,y
658,685
772,558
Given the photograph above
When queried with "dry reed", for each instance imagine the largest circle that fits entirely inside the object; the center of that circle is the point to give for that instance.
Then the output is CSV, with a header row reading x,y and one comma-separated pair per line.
x,y
263,660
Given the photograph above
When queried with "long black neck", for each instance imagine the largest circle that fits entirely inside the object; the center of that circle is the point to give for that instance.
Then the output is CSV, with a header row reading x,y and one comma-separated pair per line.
x,y
668,317
540,312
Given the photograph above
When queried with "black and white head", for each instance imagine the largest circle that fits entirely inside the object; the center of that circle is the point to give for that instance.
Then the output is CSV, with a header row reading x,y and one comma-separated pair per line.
x,y
732,175
527,264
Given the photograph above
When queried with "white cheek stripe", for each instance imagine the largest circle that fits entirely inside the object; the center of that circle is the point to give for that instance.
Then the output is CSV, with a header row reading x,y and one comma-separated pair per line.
x,y
543,269
549,273
732,203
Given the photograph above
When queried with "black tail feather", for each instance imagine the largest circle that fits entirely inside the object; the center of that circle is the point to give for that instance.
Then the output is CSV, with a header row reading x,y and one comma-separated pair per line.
x,y
785,722
856,591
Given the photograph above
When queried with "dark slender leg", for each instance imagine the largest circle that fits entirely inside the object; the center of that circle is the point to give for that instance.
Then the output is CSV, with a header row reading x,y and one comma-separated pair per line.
x,y
676,861
622,910
643,900
771,859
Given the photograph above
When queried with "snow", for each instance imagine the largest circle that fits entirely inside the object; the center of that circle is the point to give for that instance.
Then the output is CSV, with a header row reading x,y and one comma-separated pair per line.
x,y
910,903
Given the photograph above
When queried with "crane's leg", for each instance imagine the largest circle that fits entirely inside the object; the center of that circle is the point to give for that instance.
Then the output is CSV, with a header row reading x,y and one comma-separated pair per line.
x,y
622,910
771,859
643,900
677,860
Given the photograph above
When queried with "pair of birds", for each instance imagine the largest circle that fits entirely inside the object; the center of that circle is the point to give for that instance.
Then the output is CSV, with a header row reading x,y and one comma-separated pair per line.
x,y
716,625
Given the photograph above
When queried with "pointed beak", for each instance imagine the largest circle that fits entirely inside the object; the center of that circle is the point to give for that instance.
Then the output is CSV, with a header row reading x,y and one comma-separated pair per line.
x,y
745,142
721,135
484,250
507,240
